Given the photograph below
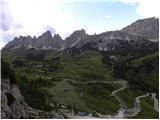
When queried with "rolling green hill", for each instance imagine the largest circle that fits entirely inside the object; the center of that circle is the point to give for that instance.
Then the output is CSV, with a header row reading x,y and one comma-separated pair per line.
x,y
41,76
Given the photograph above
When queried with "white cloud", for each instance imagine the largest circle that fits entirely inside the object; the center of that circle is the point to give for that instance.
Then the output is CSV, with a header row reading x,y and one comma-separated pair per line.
x,y
148,8
129,1
33,15
2,45
108,16
36,15
145,8
94,29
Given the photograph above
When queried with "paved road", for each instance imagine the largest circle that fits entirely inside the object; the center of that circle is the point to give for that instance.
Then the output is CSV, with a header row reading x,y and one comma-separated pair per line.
x,y
137,108
156,105
91,81
123,83
123,107
124,111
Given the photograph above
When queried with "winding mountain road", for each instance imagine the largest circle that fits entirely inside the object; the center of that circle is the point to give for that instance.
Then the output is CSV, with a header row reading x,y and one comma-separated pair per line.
x,y
136,109
124,111
96,81
156,105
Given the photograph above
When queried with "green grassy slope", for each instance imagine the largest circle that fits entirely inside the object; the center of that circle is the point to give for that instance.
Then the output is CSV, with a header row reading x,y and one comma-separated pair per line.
x,y
65,94
45,71
148,111
98,97
129,96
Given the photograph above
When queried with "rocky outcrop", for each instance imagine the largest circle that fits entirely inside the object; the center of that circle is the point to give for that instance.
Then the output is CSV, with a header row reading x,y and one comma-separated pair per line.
x,y
147,28
115,41
12,102
77,36
45,41
58,43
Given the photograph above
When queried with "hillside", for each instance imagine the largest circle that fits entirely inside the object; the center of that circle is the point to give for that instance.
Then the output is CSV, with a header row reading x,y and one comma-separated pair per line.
x,y
109,75
147,28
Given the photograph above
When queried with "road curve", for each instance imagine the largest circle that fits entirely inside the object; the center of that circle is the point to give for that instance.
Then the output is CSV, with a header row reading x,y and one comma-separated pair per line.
x,y
156,106
124,111
137,108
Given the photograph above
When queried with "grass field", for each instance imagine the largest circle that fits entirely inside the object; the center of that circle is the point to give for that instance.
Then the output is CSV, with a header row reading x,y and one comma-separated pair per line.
x,y
65,94
139,61
52,87
129,96
98,97
86,97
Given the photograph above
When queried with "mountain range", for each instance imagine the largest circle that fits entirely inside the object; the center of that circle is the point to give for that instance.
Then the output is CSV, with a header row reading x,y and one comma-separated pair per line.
x,y
147,28
114,74
144,29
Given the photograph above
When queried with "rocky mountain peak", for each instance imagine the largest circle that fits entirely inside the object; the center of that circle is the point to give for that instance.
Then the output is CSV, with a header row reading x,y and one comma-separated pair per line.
x,y
47,35
79,32
147,28
75,37
57,42
57,36
141,29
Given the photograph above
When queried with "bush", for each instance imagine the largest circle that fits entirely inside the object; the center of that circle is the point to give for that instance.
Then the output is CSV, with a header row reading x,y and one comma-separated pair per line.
x,y
19,63
92,76
8,72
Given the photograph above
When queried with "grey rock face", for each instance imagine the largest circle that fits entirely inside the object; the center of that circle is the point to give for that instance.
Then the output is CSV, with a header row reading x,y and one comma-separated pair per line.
x,y
58,43
76,37
45,41
108,40
147,28
12,103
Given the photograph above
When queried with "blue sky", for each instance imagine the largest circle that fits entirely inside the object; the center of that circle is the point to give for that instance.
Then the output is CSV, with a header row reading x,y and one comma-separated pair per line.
x,y
33,17
108,16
